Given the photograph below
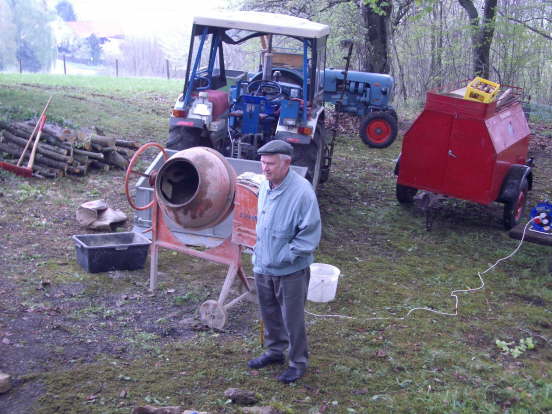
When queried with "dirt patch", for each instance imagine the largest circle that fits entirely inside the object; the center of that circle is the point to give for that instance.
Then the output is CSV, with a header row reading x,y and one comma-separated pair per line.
x,y
55,314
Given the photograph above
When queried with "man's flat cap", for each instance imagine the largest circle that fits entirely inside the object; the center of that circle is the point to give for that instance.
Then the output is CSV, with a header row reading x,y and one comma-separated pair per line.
x,y
276,146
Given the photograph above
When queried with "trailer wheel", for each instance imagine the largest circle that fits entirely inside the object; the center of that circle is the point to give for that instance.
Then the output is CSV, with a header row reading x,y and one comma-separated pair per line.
x,y
514,209
405,194
378,129
310,156
181,138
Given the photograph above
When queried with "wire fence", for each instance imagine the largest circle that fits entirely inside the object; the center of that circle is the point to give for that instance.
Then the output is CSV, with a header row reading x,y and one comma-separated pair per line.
x,y
114,68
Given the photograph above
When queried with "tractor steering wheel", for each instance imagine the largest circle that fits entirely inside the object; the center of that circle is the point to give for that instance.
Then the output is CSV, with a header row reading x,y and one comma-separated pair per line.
x,y
203,82
269,89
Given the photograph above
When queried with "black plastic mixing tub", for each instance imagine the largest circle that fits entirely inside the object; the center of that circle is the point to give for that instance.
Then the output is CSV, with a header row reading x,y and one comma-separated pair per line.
x,y
111,251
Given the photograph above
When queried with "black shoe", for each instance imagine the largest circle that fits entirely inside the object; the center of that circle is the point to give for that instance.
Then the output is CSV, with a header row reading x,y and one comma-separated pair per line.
x,y
264,360
291,374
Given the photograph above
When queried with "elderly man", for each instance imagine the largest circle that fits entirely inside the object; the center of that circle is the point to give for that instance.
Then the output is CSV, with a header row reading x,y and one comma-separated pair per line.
x,y
288,232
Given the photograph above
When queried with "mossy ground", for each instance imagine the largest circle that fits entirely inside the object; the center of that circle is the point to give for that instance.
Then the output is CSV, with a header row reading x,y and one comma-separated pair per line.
x,y
100,343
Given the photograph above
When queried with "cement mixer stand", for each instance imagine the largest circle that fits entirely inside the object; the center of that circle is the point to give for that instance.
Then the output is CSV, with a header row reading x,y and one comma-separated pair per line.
x,y
212,312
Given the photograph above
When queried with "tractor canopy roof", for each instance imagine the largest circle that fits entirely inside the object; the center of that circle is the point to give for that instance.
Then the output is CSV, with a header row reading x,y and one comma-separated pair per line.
x,y
265,23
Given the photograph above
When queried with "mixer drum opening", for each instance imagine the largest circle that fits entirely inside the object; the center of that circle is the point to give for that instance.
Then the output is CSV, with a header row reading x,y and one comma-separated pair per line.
x,y
179,182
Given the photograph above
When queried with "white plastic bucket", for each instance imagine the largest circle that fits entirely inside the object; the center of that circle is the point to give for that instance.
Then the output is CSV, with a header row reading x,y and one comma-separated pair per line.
x,y
323,282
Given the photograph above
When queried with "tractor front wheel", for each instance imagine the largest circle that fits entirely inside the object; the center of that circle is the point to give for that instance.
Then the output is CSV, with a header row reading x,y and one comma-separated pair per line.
x,y
514,209
378,129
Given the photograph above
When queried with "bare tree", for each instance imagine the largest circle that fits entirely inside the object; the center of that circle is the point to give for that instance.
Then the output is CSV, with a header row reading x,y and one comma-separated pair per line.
x,y
534,29
481,34
376,19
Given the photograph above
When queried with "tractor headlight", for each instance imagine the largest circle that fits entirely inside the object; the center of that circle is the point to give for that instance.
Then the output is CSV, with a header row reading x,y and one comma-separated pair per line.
x,y
201,109
290,122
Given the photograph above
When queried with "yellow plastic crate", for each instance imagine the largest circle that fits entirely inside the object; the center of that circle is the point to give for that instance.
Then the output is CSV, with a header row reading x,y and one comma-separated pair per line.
x,y
481,90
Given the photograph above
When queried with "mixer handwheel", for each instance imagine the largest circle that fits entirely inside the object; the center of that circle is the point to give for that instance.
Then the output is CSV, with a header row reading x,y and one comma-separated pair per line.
x,y
212,314
131,171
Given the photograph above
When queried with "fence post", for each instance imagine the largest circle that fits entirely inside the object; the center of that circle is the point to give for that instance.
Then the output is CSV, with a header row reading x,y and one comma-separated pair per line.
x,y
64,66
117,68
167,65
20,66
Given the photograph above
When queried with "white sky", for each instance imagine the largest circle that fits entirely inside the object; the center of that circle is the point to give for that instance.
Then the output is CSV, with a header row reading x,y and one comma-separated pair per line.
x,y
144,17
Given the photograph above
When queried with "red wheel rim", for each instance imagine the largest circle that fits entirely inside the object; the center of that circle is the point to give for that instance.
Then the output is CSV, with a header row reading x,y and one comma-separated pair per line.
x,y
378,131
520,204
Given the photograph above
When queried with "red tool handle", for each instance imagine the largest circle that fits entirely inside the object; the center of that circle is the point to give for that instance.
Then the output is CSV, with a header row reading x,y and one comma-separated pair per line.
x,y
32,134
41,123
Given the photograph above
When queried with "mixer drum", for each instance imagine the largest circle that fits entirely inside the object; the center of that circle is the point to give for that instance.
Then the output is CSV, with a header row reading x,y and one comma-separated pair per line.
x,y
195,188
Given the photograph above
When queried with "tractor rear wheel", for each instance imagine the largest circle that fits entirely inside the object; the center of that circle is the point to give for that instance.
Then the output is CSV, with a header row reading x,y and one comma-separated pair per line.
x,y
514,209
378,129
310,156
325,169
181,138
321,136
405,194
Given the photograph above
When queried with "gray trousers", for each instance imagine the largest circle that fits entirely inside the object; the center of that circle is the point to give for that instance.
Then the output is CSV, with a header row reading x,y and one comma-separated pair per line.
x,y
282,302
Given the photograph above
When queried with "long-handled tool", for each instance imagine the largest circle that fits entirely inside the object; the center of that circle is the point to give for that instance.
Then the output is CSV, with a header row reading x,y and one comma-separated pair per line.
x,y
28,170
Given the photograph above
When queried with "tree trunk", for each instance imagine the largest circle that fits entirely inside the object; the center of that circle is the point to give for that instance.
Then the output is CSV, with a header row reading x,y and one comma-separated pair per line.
x,y
376,36
481,34
436,64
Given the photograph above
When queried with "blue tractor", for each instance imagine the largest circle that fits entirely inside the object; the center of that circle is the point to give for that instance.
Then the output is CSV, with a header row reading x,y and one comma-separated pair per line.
x,y
281,97
367,96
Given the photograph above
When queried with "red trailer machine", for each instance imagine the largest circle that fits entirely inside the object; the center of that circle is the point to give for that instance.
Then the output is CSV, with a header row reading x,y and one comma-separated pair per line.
x,y
469,150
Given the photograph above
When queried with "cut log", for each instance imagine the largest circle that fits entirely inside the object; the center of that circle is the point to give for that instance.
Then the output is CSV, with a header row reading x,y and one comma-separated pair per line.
x,y
80,170
28,129
25,135
15,131
53,148
81,159
55,141
116,159
20,142
102,141
40,158
47,172
127,144
124,153
99,165
68,150
90,154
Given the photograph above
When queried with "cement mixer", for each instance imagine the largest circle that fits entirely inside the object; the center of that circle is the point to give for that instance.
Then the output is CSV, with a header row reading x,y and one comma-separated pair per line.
x,y
196,189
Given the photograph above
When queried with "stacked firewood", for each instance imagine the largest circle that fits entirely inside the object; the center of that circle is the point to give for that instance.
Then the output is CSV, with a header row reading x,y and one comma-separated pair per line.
x,y
64,151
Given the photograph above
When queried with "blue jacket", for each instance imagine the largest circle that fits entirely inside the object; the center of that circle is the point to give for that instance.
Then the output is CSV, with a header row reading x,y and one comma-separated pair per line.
x,y
288,226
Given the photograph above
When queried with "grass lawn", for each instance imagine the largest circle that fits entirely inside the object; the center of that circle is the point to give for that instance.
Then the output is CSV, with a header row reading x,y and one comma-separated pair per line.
x,y
375,361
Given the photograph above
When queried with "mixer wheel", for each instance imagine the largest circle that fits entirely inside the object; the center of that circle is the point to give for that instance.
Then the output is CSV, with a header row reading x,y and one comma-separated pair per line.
x,y
212,314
